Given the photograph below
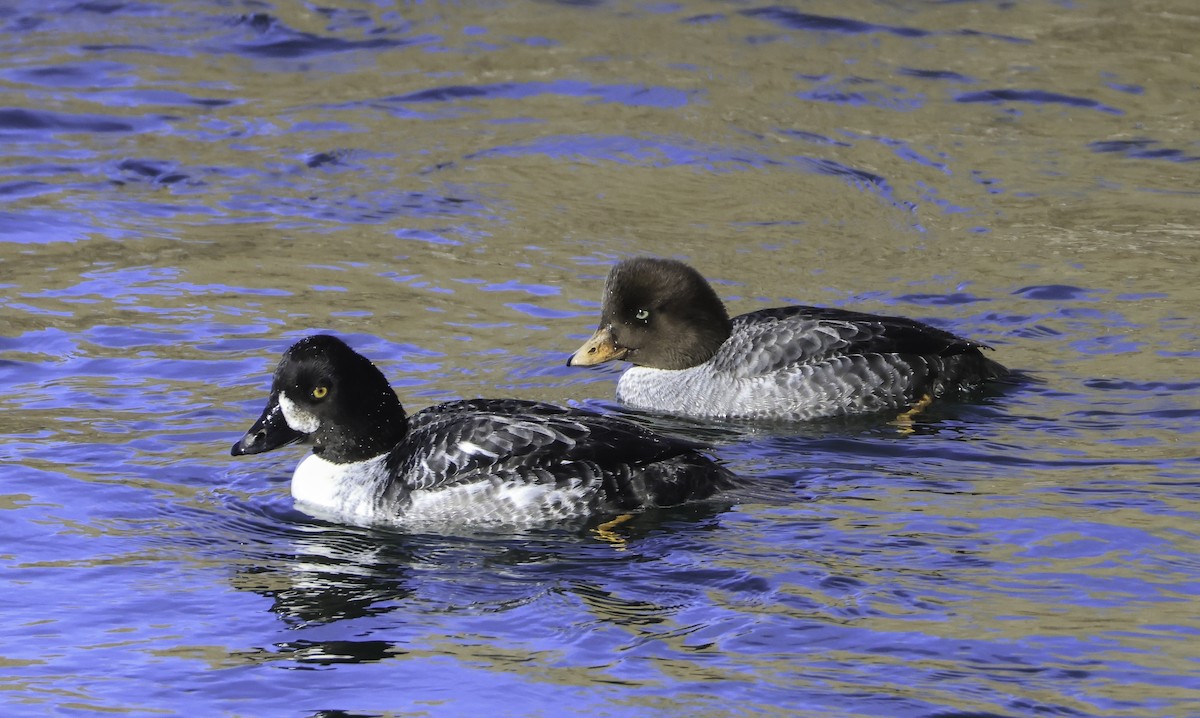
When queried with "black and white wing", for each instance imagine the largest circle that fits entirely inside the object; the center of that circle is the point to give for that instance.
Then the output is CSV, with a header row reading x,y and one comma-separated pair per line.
x,y
449,441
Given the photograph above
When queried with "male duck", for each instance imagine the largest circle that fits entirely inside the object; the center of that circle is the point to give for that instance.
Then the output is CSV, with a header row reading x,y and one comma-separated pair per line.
x,y
789,363
485,462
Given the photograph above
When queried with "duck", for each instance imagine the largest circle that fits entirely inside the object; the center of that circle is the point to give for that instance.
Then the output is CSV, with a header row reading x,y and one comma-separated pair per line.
x,y
791,363
484,463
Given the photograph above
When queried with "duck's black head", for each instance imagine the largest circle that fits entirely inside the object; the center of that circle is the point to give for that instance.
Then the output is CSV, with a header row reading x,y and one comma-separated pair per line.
x,y
326,394
656,313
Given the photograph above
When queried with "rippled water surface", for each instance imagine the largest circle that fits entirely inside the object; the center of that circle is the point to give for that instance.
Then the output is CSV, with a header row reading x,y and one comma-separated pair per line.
x,y
188,187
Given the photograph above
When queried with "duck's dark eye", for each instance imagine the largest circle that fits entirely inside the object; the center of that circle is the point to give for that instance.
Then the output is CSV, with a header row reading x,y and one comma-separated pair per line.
x,y
319,391
642,315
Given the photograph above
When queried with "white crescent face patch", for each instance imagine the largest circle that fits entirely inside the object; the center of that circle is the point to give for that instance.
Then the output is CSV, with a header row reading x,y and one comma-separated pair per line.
x,y
300,420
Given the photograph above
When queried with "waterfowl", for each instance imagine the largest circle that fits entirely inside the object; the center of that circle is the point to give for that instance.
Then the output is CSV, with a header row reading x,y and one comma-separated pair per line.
x,y
789,363
483,462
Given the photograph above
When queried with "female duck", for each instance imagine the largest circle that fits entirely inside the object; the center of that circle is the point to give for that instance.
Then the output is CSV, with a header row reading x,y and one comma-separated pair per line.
x,y
480,462
786,363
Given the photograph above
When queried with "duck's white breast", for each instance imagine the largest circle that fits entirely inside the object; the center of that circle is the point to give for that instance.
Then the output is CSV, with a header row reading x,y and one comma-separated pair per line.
x,y
351,489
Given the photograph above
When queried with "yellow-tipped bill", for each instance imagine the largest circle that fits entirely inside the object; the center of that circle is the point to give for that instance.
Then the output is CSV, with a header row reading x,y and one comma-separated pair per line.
x,y
597,350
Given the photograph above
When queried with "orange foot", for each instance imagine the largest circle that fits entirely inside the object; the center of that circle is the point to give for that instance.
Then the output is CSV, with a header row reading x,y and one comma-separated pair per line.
x,y
904,422
606,532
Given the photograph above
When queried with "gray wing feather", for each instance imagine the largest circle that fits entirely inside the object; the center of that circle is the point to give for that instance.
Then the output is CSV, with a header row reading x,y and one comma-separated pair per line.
x,y
764,345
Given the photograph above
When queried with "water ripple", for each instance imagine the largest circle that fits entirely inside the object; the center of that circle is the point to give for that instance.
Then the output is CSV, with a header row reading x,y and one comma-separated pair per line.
x,y
271,38
1037,97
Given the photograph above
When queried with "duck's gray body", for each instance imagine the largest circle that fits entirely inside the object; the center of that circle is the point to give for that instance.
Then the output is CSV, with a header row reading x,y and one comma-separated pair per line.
x,y
787,363
796,364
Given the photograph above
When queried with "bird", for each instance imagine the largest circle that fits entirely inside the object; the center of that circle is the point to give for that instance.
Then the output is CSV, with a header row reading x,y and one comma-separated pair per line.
x,y
468,463
791,363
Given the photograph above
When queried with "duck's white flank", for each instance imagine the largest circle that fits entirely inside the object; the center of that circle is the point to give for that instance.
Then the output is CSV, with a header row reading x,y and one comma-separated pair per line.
x,y
355,492
496,501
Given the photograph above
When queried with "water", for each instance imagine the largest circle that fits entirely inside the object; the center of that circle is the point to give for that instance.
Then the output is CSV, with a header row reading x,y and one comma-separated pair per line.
x,y
186,188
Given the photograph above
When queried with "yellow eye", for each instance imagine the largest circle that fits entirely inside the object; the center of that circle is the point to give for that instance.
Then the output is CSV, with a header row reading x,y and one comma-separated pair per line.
x,y
320,392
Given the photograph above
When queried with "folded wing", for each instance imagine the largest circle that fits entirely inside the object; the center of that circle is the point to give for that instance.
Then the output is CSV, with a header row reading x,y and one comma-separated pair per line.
x,y
450,441
771,340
